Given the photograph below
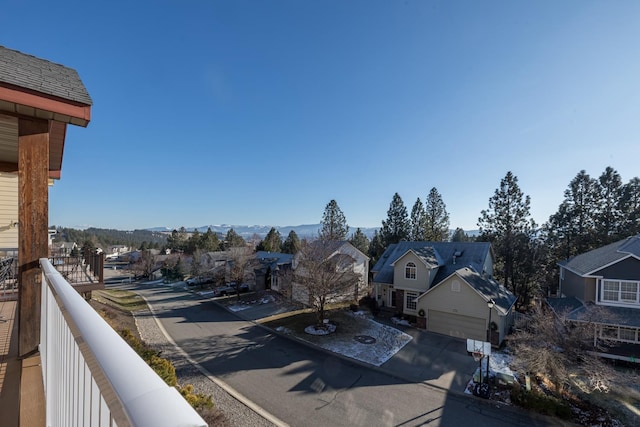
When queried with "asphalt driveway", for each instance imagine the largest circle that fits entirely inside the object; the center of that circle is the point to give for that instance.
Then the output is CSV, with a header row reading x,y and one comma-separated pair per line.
x,y
437,360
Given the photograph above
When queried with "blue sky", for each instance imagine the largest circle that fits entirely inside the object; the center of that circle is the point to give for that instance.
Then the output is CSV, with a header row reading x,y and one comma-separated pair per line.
x,y
260,112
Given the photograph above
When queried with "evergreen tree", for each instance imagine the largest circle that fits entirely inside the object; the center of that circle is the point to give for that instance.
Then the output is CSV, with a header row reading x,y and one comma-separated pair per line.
x,y
360,241
376,248
193,242
629,204
291,244
417,231
460,236
178,239
608,217
507,224
209,242
396,227
571,229
334,223
233,240
436,218
272,241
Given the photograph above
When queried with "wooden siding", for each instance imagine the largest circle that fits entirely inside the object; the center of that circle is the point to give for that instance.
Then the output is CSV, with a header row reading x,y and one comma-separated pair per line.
x,y
8,211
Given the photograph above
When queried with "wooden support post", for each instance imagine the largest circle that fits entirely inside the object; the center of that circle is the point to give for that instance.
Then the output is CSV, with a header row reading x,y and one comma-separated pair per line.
x,y
33,220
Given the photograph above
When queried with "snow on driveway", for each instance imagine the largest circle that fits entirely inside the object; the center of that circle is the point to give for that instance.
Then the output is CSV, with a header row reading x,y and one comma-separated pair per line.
x,y
386,341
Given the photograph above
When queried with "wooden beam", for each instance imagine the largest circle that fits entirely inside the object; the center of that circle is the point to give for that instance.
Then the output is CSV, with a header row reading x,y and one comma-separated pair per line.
x,y
8,167
33,217
37,100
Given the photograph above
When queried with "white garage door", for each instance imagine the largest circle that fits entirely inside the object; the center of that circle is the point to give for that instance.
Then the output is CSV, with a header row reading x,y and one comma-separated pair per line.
x,y
456,325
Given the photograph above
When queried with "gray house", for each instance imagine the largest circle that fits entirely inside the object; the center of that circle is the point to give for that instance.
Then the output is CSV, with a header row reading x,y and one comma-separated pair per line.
x,y
446,287
273,271
607,277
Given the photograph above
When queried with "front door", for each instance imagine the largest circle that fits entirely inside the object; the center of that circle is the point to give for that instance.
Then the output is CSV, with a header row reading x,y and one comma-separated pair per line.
x,y
392,296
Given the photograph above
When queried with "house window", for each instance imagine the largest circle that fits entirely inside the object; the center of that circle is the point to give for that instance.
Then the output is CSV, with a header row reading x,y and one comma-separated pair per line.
x,y
410,271
629,291
411,300
619,291
610,290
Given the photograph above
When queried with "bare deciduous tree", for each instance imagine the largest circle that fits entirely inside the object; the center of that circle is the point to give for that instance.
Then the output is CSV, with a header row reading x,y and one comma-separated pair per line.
x,y
145,264
564,351
240,263
324,274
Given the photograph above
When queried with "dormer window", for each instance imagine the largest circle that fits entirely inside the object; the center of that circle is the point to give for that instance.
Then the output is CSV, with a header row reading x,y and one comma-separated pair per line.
x,y
410,271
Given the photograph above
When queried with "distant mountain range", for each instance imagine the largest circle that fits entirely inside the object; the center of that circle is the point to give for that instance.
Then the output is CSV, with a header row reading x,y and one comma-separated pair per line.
x,y
247,231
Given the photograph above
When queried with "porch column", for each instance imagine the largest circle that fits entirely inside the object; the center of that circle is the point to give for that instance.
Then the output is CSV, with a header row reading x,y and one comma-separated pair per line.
x,y
33,220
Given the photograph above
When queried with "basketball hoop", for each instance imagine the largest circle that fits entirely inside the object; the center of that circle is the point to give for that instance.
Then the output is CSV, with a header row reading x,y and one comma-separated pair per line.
x,y
477,356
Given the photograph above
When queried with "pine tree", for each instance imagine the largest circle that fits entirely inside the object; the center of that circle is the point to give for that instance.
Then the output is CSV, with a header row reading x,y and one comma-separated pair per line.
x,y
396,227
608,217
209,242
460,236
436,218
571,229
233,240
629,204
417,231
360,241
334,223
272,241
291,244
376,247
193,242
507,224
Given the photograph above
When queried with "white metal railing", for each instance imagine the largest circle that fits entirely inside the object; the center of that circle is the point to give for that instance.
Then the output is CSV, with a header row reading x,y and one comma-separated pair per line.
x,y
91,376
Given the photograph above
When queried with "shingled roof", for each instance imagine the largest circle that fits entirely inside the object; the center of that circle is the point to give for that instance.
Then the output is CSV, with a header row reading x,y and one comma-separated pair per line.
x,y
450,255
488,288
29,72
592,261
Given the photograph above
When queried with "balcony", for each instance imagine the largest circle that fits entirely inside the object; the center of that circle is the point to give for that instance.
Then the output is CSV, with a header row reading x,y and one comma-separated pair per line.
x,y
83,374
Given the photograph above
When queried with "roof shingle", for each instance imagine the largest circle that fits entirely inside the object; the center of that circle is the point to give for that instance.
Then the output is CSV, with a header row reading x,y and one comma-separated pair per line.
x,y
40,75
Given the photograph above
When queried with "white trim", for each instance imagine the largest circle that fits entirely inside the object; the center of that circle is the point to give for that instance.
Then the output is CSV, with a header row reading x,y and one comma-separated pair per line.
x,y
406,270
618,303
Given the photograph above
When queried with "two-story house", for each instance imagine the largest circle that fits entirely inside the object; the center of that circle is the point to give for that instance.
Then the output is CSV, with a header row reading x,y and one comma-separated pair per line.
x,y
447,287
342,257
607,277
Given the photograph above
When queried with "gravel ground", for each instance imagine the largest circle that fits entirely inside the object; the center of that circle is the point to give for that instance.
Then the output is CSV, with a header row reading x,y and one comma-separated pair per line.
x,y
236,412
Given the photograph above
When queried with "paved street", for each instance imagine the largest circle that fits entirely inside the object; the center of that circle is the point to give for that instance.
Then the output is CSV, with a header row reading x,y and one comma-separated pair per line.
x,y
301,385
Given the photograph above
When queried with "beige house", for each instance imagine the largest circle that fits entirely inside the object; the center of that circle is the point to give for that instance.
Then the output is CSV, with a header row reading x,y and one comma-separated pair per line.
x,y
446,287
346,257
8,210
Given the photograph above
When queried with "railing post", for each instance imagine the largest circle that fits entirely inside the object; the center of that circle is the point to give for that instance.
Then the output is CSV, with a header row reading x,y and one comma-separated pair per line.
x,y
93,377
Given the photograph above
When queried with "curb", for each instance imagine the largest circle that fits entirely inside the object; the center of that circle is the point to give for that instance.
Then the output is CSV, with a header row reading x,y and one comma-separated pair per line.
x,y
227,388
461,394
330,353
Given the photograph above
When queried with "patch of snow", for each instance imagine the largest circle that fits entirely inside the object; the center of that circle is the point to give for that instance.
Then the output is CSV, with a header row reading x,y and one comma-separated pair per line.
x,y
238,307
360,313
402,322
283,330
267,299
205,293
389,341
323,330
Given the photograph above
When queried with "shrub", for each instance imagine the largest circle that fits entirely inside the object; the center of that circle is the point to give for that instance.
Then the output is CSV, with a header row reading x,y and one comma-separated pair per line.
x,y
540,402
197,400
